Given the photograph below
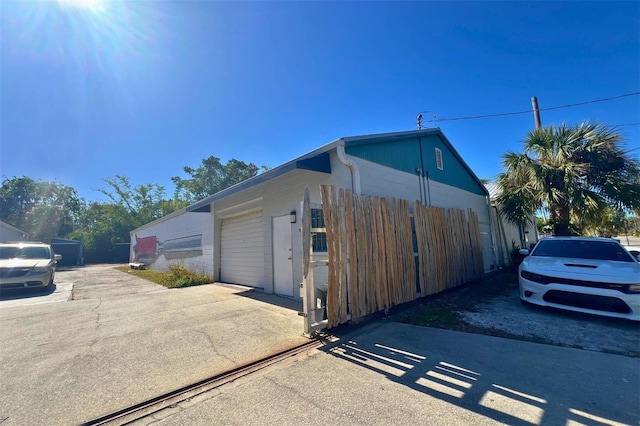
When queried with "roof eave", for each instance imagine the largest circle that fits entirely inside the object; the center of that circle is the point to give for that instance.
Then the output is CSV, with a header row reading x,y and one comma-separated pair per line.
x,y
317,161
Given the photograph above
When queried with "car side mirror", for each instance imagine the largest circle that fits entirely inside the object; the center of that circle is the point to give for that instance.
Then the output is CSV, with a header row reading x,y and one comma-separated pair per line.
x,y
524,252
57,257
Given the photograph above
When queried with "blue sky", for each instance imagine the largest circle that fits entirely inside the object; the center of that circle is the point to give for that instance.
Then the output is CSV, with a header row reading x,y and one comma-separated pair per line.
x,y
90,90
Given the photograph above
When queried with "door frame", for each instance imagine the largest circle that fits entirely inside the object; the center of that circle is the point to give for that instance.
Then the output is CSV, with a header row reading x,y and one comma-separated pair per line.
x,y
284,223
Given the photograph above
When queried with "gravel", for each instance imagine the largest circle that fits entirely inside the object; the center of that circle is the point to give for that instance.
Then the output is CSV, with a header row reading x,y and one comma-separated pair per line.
x,y
557,327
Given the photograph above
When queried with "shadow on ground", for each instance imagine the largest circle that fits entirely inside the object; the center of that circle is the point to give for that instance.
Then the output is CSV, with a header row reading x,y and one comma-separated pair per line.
x,y
492,376
26,293
272,299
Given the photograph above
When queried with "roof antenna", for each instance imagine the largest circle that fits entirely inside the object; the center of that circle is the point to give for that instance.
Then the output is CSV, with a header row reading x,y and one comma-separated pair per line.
x,y
419,119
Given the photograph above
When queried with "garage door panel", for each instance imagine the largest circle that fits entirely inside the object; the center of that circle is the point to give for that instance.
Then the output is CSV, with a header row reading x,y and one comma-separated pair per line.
x,y
242,249
242,241
246,260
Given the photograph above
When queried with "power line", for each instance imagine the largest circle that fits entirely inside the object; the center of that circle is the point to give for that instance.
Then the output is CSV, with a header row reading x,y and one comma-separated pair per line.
x,y
529,111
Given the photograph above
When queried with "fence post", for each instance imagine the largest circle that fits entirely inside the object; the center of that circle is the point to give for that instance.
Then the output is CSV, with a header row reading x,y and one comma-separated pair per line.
x,y
308,300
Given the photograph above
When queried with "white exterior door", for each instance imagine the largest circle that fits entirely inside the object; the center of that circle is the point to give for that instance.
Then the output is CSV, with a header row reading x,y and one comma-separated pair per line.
x,y
282,256
242,250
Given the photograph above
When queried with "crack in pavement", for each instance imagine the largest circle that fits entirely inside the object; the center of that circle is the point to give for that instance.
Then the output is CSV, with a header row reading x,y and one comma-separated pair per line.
x,y
307,399
97,324
213,348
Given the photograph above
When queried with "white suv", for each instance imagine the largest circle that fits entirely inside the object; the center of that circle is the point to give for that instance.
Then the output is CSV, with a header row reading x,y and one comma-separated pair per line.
x,y
27,265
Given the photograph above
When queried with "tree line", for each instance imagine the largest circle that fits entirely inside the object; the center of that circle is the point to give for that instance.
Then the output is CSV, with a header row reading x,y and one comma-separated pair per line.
x,y
44,210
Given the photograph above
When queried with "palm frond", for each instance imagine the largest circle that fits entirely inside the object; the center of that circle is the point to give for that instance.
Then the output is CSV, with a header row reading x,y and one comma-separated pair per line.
x,y
578,169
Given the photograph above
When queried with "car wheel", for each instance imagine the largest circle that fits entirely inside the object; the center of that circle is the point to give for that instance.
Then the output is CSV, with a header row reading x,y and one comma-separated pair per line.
x,y
50,285
525,303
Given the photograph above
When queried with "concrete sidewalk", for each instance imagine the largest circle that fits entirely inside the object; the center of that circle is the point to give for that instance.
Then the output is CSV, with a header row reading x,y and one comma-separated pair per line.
x,y
123,340
396,374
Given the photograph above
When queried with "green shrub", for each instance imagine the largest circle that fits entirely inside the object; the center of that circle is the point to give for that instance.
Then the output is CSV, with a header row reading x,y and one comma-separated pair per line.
x,y
177,276
180,276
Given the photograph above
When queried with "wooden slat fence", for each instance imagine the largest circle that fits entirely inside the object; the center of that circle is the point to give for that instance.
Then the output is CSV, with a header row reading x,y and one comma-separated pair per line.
x,y
449,251
371,252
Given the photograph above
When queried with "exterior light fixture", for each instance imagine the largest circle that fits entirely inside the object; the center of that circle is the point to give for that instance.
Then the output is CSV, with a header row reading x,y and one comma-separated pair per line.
x,y
292,215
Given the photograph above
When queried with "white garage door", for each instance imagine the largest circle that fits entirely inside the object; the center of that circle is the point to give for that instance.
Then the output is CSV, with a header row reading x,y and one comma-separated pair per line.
x,y
242,250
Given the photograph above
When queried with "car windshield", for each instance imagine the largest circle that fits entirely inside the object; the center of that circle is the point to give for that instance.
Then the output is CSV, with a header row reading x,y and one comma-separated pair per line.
x,y
580,249
13,252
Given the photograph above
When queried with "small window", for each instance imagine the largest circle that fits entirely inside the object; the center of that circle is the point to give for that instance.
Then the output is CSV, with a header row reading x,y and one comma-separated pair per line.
x,y
318,230
439,164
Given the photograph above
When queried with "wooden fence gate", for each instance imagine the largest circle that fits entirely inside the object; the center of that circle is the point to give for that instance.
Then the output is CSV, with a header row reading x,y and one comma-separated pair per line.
x,y
383,252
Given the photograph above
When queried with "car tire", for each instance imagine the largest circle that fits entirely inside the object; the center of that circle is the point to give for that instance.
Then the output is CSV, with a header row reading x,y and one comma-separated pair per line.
x,y
525,303
50,285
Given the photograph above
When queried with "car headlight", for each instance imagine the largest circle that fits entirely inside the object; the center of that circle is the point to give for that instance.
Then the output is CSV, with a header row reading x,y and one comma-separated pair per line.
x,y
533,277
40,270
634,288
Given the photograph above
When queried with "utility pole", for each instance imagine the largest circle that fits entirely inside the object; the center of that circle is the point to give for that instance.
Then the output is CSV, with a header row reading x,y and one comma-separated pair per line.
x,y
536,112
536,117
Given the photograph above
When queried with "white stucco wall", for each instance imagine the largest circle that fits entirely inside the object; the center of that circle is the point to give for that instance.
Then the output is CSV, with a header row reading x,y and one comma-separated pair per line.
x,y
172,231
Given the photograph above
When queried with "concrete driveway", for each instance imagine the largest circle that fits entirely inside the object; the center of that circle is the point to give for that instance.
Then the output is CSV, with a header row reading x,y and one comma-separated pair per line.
x,y
61,292
389,373
122,339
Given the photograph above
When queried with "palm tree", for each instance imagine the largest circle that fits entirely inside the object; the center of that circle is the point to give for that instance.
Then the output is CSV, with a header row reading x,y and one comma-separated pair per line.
x,y
569,171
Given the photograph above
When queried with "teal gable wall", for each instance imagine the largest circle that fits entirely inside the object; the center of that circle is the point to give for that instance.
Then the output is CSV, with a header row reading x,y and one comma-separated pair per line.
x,y
413,152
398,154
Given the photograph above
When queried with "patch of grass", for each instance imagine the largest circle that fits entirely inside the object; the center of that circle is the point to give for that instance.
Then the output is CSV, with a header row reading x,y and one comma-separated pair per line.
x,y
147,274
474,294
443,310
178,276
437,316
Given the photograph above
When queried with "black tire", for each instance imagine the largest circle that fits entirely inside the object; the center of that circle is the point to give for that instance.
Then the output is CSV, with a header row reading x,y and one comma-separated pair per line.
x,y
49,286
525,303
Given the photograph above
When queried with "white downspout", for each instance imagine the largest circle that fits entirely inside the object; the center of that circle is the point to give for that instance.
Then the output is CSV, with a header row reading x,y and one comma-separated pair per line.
x,y
355,172
355,184
427,188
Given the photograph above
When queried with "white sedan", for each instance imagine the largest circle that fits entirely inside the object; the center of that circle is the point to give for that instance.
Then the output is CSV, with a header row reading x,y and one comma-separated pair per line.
x,y
583,274
27,265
